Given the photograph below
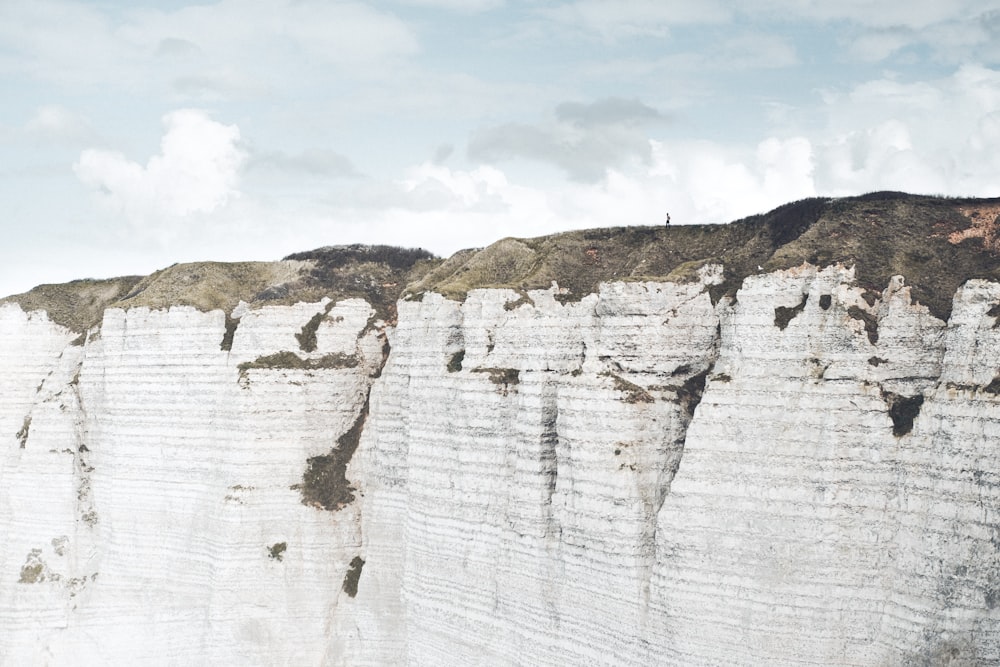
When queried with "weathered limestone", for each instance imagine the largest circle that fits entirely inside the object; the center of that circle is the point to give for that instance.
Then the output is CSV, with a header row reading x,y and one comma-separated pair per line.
x,y
807,474
149,517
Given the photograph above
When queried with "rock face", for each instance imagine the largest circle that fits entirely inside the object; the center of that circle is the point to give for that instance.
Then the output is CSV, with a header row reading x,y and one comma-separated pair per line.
x,y
802,471
147,501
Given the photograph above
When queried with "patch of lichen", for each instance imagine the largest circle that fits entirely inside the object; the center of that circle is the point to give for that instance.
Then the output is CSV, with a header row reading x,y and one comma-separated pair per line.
x,y
77,305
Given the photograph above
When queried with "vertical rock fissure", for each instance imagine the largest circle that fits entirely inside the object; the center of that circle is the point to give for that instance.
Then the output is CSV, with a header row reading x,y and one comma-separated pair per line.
x,y
548,457
687,398
86,510
227,338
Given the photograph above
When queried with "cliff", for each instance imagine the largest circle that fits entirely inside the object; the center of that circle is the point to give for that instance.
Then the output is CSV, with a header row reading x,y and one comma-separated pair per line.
x,y
768,442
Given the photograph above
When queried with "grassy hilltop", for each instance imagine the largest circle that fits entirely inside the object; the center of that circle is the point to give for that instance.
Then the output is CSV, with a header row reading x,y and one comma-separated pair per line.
x,y
936,243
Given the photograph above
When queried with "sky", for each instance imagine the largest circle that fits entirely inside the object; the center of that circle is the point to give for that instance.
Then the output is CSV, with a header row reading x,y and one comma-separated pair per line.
x,y
137,134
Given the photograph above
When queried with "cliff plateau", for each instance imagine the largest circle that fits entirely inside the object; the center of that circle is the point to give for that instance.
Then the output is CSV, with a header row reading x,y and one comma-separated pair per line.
x,y
769,442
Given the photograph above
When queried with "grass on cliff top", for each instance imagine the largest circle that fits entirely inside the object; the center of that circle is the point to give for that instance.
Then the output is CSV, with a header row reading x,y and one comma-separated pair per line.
x,y
210,285
881,234
936,243
76,305
374,273
887,234
579,261
377,274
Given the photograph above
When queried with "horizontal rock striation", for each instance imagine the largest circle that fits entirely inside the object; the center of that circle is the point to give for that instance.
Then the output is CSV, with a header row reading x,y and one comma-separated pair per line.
x,y
774,443
153,512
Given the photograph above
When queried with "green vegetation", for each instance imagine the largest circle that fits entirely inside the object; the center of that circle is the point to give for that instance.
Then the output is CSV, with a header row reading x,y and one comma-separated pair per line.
x,y
374,273
209,285
935,243
353,575
521,300
22,435
307,337
287,359
77,305
324,483
277,551
783,315
377,274
579,261
455,363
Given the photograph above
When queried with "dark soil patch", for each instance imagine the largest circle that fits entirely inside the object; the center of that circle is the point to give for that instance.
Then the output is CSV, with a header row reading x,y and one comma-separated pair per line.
x,y
324,483
783,315
869,320
902,410
353,576
230,334
287,359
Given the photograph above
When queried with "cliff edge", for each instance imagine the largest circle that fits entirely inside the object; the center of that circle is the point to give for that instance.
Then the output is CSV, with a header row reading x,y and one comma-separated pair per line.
x,y
768,442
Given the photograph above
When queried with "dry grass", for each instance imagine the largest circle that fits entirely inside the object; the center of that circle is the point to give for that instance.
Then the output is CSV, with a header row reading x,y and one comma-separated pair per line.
x,y
935,243
213,285
76,305
579,261
375,273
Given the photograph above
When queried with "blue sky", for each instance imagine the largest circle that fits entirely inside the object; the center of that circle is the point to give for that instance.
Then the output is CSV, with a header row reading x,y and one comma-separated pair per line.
x,y
135,135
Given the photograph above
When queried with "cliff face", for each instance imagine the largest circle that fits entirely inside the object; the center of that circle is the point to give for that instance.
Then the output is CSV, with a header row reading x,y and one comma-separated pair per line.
x,y
773,465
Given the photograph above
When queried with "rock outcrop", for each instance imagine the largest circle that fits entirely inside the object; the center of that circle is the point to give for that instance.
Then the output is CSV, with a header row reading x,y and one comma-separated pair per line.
x,y
642,447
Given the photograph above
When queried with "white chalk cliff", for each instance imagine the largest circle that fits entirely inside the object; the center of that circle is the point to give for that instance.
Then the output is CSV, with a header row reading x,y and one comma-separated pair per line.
x,y
801,472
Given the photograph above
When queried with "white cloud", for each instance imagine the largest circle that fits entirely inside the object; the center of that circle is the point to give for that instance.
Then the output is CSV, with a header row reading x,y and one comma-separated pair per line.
x,y
237,40
463,6
57,40
196,171
335,32
876,13
621,19
313,162
584,140
697,182
57,123
931,136
877,45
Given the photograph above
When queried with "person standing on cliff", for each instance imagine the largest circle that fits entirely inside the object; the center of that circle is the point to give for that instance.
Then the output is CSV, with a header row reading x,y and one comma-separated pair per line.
x,y
668,220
